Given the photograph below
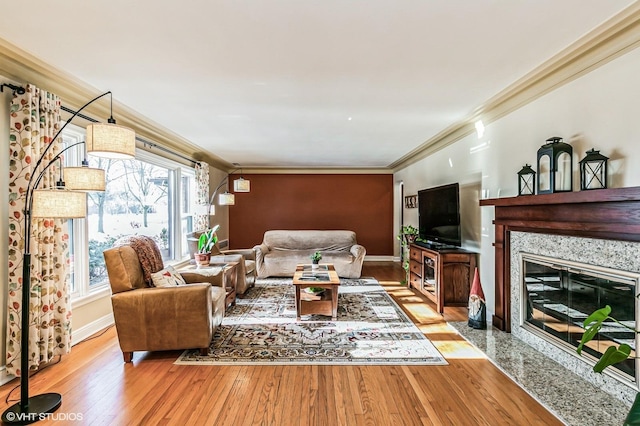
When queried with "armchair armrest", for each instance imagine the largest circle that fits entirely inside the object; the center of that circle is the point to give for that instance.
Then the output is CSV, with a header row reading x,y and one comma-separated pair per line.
x,y
248,254
210,276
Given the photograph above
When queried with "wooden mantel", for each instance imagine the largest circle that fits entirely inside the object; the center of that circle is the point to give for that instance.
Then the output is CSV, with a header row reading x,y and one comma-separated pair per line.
x,y
612,214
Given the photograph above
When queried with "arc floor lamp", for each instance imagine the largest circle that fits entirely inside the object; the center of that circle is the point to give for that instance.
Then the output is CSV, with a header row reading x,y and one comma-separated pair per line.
x,y
66,200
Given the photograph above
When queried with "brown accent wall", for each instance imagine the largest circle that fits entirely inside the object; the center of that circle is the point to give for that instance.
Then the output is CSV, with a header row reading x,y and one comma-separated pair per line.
x,y
360,203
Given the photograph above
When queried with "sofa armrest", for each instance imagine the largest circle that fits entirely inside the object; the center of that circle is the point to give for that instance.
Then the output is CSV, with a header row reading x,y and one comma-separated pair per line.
x,y
261,251
358,252
141,317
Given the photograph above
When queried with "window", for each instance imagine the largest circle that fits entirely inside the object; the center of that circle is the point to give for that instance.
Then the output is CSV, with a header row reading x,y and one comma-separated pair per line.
x,y
140,199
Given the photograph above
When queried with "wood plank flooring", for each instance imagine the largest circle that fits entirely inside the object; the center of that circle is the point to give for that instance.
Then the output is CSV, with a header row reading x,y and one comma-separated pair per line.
x,y
98,386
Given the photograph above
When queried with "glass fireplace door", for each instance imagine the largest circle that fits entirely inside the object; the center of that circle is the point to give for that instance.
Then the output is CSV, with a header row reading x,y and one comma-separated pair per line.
x,y
559,295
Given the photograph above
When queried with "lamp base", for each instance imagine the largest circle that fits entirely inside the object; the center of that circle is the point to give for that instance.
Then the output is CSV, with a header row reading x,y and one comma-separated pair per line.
x,y
38,407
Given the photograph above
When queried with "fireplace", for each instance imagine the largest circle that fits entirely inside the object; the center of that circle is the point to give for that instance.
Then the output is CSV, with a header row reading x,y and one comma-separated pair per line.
x,y
558,295
597,230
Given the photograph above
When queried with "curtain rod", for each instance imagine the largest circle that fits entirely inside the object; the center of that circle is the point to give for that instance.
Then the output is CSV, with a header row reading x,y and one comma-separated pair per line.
x,y
145,142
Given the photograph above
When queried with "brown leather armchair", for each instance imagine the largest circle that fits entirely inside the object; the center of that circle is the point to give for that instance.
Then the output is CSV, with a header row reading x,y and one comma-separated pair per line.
x,y
245,257
166,318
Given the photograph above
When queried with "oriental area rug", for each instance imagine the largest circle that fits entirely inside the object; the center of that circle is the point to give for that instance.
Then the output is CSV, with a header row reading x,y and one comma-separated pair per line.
x,y
370,329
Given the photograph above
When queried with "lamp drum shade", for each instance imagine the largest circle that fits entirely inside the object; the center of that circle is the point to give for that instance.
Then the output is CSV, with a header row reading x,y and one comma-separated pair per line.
x,y
59,203
241,185
226,199
110,141
84,179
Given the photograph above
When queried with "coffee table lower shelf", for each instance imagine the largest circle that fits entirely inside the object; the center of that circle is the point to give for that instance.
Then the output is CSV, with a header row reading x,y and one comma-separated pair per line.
x,y
324,306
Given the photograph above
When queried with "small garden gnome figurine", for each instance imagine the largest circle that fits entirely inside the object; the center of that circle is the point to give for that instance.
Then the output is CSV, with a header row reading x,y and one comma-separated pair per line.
x,y
477,306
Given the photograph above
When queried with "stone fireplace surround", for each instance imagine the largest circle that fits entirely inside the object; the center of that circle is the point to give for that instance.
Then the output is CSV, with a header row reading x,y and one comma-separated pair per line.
x,y
601,226
610,254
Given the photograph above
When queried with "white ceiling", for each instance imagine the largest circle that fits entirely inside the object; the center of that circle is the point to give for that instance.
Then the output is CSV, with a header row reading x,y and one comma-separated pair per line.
x,y
301,83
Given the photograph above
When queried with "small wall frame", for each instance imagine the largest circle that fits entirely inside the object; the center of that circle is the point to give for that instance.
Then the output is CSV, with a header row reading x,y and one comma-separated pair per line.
x,y
411,201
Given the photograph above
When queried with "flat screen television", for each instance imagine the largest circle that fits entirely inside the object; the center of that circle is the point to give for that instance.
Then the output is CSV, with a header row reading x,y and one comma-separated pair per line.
x,y
439,215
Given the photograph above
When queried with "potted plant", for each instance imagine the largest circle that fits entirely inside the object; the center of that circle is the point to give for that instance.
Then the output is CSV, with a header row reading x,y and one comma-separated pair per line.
x,y
408,234
206,242
612,355
315,259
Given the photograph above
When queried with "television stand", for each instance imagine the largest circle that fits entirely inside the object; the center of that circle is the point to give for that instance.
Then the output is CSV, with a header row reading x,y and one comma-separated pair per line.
x,y
443,274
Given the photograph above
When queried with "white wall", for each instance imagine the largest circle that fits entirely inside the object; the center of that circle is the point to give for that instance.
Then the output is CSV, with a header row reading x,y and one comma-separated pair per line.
x,y
599,110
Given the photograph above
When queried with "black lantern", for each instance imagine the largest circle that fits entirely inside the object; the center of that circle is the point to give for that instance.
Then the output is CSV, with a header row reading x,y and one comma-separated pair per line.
x,y
526,180
593,170
555,166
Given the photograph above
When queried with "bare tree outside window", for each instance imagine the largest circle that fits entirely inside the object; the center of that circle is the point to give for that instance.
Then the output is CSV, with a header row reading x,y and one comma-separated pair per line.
x,y
135,202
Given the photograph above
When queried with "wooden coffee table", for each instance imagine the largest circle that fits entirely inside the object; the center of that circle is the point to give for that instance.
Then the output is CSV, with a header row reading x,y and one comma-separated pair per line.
x,y
324,277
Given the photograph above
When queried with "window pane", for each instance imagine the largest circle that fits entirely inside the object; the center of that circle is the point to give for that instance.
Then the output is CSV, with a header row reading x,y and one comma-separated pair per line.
x,y
187,200
71,159
136,202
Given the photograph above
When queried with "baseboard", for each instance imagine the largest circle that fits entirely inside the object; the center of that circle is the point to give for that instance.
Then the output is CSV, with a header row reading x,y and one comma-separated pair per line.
x,y
93,327
4,376
379,259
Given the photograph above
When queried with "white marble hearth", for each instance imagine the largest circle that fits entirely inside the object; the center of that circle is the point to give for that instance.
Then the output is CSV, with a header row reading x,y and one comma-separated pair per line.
x,y
572,399
619,255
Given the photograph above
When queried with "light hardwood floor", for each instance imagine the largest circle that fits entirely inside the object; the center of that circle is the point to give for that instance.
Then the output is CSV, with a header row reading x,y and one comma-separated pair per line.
x,y
97,385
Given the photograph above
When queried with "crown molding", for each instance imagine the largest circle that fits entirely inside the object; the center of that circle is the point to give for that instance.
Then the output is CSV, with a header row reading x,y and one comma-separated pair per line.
x,y
313,171
608,41
24,68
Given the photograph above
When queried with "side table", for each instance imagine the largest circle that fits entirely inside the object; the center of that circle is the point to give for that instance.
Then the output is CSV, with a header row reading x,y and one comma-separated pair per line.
x,y
229,279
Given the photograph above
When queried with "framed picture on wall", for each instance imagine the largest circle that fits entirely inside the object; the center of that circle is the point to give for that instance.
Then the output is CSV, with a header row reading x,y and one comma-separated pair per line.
x,y
411,201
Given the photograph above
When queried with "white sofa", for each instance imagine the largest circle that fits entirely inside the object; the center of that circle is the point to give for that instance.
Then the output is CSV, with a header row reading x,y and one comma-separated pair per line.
x,y
282,250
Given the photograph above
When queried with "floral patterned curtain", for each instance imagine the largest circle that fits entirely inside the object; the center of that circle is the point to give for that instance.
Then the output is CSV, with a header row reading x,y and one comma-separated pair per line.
x,y
35,118
202,196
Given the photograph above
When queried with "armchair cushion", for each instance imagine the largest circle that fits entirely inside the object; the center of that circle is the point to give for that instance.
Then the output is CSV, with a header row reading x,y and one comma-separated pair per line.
x,y
124,269
167,277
